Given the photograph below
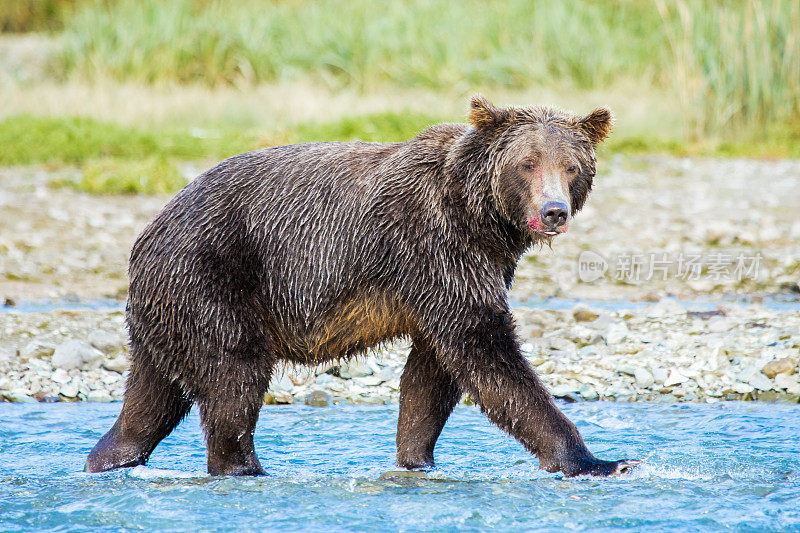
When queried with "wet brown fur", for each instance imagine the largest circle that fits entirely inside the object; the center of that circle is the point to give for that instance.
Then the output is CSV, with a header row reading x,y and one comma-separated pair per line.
x,y
316,252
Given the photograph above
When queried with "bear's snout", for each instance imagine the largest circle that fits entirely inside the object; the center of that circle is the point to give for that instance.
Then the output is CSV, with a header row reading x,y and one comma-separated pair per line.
x,y
555,216
551,220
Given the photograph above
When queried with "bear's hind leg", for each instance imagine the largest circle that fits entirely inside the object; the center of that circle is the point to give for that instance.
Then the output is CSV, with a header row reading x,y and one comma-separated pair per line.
x,y
427,397
152,408
229,413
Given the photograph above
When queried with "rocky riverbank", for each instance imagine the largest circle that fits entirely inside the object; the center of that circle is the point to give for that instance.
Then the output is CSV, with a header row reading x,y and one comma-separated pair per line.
x,y
662,351
652,226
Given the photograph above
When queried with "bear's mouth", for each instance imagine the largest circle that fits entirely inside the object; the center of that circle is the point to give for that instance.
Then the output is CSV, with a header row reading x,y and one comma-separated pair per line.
x,y
547,231
547,234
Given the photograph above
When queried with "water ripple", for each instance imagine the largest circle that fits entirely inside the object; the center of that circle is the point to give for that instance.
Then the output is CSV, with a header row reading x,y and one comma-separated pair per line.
x,y
706,468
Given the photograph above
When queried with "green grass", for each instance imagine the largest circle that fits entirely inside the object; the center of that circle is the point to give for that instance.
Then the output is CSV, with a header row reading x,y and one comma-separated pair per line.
x,y
113,159
114,176
735,64
377,127
121,160
27,139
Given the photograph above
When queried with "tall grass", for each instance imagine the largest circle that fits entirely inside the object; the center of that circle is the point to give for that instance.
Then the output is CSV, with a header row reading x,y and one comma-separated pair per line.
x,y
33,15
735,63
433,43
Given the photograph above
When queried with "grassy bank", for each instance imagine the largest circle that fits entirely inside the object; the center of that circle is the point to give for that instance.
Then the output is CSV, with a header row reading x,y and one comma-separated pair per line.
x,y
116,159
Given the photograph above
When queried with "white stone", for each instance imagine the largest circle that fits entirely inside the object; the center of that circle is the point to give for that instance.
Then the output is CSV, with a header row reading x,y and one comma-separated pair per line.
x,y
19,397
117,364
666,307
644,378
38,365
6,355
109,377
105,341
98,396
324,380
675,378
281,383
770,233
719,232
787,381
659,374
561,344
60,376
526,347
70,390
720,324
75,354
622,367
742,388
564,389
616,333
547,367
369,381
354,369
747,371
36,349
794,233
760,382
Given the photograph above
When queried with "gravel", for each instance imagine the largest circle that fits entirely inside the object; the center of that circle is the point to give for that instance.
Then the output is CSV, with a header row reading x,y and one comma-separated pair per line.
x,y
658,352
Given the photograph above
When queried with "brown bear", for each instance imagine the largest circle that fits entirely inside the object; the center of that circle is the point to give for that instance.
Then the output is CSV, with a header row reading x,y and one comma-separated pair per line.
x,y
317,252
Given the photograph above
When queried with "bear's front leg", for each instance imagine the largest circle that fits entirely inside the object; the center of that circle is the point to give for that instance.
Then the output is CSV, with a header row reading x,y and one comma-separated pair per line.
x,y
482,353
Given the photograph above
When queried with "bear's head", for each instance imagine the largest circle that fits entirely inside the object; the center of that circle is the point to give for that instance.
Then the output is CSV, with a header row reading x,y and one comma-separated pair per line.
x,y
541,161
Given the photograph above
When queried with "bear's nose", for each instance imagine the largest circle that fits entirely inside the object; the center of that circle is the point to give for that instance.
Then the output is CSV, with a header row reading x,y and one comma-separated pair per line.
x,y
554,214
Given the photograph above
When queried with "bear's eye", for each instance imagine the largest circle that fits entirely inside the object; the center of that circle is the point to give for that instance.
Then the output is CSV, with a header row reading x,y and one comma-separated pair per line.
x,y
528,165
572,169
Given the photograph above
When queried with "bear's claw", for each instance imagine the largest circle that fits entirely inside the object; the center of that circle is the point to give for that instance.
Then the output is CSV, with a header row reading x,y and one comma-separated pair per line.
x,y
597,467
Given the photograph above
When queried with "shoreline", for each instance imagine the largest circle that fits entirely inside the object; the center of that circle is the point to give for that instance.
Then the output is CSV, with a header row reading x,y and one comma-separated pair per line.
x,y
659,351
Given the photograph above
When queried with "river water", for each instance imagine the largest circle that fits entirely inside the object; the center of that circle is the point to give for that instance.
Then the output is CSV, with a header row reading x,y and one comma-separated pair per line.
x,y
707,467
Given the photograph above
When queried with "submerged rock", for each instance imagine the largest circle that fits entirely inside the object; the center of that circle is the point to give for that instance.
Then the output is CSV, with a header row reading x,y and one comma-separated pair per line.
x,y
403,474
19,397
318,398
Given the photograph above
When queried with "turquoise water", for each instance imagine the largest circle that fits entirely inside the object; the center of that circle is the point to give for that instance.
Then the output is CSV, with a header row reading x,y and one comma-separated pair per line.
x,y
732,466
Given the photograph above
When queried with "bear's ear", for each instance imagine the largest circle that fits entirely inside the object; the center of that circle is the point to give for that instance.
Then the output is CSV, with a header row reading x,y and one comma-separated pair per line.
x,y
597,124
483,115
